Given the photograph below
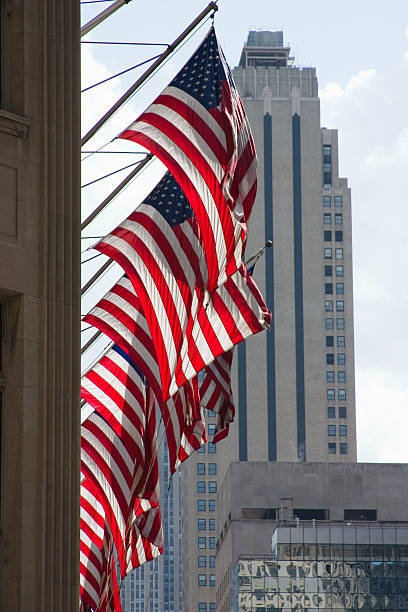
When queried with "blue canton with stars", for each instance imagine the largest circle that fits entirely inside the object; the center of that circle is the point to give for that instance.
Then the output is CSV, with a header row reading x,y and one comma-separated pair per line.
x,y
203,74
169,200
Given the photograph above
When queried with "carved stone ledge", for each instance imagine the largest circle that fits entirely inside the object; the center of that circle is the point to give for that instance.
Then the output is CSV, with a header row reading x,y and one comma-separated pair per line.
x,y
16,125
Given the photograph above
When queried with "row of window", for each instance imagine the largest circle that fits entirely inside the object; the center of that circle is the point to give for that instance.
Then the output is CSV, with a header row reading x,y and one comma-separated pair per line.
x,y
212,448
327,201
202,561
328,288
328,235
332,448
328,253
202,580
212,469
331,412
329,323
328,305
331,430
341,341
202,542
201,486
330,376
338,219
339,270
202,606
327,166
341,394
202,505
341,359
202,524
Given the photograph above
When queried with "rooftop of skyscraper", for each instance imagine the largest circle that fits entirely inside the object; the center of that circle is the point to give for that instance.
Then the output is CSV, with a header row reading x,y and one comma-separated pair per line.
x,y
265,48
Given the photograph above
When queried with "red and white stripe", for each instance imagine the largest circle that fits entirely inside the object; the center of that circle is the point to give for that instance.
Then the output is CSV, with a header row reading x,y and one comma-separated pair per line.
x,y
119,315
98,585
216,393
119,458
212,156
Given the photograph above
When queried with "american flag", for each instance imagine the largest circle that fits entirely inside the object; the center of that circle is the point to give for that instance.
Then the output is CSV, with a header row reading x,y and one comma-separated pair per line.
x,y
119,457
119,315
216,393
98,584
198,128
161,253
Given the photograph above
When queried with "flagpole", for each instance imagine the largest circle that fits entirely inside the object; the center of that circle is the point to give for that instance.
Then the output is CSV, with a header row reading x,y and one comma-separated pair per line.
x,y
102,16
211,7
117,189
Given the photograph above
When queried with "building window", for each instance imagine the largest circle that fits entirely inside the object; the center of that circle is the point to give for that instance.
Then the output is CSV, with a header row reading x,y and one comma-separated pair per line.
x,y
329,323
329,358
343,448
331,447
341,376
200,486
328,305
202,542
211,561
211,524
211,541
340,323
327,166
338,253
338,201
329,340
212,580
202,561
340,305
212,448
201,524
330,376
342,395
341,341
202,580
338,219
343,430
328,270
211,505
342,412
339,270
201,503
211,429
212,486
201,469
327,201
212,469
330,394
327,235
201,449
327,218
331,430
328,253
328,288
338,235
211,414
202,607
331,412
341,359
340,288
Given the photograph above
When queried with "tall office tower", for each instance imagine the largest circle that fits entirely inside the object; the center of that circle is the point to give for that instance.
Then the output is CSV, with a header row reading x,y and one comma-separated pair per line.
x,y
294,385
156,586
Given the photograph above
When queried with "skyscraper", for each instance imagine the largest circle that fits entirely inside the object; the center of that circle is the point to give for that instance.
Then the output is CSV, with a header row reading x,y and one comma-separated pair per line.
x,y
294,385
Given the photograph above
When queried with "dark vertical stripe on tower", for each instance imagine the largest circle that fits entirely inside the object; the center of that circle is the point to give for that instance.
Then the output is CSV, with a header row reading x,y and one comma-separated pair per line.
x,y
242,403
270,295
298,265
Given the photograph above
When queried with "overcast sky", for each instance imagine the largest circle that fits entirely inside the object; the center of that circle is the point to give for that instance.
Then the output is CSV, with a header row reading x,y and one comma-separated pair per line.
x,y
360,50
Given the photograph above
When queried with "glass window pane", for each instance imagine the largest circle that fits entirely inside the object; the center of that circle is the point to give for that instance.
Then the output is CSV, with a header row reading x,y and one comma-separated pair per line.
x,y
342,430
328,305
340,323
340,306
342,394
343,412
330,394
328,253
339,270
201,469
212,469
331,447
341,341
338,201
327,218
327,201
341,359
330,358
330,376
338,219
202,561
341,376
340,288
328,270
339,253
327,235
329,323
331,430
331,412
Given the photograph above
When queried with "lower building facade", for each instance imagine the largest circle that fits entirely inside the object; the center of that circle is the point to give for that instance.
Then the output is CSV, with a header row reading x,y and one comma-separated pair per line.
x,y
313,536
